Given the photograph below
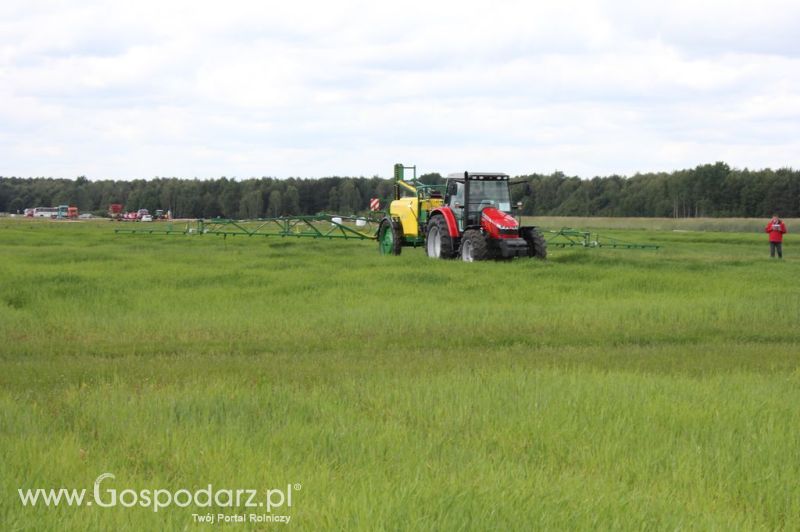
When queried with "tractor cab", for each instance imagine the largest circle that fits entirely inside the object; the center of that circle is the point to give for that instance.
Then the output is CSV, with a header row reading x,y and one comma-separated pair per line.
x,y
471,192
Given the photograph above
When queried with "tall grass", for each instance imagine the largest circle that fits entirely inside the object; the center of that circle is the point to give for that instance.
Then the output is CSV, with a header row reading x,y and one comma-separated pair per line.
x,y
598,389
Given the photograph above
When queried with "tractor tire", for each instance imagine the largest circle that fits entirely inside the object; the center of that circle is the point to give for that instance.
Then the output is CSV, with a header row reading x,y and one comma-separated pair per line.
x,y
474,246
438,242
390,237
537,245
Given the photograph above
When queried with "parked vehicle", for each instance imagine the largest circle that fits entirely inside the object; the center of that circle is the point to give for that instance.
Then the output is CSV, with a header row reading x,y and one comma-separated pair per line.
x,y
45,212
65,211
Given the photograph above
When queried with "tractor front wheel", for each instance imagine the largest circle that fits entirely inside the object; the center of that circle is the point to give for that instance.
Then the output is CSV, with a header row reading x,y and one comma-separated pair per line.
x,y
438,242
474,246
537,245
390,238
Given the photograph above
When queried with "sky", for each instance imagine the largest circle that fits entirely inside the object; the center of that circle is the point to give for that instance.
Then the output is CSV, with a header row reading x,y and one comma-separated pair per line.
x,y
242,89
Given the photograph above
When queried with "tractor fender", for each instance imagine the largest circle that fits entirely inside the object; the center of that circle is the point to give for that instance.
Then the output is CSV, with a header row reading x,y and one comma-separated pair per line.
x,y
449,217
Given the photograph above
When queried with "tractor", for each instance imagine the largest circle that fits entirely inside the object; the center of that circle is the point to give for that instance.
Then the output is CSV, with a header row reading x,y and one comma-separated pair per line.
x,y
470,216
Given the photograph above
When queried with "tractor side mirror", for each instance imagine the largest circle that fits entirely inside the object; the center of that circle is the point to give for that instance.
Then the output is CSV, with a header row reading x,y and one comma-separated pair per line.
x,y
528,189
519,205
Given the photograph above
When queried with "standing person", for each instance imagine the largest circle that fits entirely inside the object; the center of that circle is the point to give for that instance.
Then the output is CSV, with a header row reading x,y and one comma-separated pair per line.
x,y
775,228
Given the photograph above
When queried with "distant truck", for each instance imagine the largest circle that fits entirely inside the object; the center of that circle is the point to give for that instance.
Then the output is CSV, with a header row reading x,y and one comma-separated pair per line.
x,y
65,211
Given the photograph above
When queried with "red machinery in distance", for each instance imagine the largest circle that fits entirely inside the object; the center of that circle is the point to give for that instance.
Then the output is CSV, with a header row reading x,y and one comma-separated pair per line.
x,y
115,211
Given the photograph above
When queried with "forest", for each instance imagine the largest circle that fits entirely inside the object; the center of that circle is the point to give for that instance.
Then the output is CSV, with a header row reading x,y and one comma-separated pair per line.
x,y
714,190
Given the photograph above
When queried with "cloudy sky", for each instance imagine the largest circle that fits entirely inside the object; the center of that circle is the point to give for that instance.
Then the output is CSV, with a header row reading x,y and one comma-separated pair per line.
x,y
296,88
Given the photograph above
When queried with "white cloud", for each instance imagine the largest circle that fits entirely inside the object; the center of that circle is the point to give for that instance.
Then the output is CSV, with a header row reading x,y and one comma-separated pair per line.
x,y
122,89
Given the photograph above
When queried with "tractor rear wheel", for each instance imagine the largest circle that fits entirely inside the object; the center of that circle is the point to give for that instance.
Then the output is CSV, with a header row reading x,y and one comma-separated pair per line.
x,y
474,246
438,242
390,238
537,245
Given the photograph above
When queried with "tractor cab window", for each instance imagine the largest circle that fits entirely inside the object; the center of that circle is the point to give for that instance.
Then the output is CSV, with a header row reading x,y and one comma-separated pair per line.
x,y
484,194
455,195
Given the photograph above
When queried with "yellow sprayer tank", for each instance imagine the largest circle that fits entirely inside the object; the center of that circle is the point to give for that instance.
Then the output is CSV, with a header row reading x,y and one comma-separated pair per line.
x,y
413,212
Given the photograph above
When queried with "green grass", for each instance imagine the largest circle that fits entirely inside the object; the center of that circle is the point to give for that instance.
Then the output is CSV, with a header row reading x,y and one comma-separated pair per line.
x,y
599,389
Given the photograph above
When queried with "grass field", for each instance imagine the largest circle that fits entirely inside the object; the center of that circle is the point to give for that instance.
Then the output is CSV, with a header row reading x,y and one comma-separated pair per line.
x,y
598,389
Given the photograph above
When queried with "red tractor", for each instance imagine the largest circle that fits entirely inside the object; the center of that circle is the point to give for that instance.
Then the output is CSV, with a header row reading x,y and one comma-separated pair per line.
x,y
475,222
470,216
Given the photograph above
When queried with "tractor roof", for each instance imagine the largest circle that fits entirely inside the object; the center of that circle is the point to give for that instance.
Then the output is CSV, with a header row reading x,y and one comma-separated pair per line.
x,y
489,176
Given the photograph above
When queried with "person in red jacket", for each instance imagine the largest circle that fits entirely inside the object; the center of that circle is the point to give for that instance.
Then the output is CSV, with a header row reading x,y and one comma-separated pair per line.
x,y
775,228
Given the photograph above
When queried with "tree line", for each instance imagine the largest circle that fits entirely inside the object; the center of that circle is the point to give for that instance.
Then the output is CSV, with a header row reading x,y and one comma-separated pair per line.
x,y
714,190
